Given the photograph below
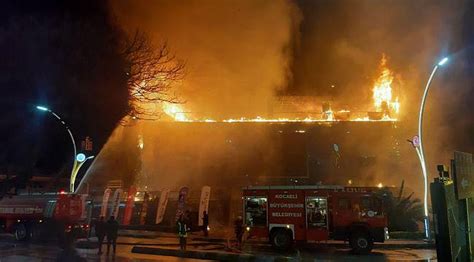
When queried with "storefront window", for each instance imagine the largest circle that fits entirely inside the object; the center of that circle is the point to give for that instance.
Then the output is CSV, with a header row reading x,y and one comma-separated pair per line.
x,y
256,211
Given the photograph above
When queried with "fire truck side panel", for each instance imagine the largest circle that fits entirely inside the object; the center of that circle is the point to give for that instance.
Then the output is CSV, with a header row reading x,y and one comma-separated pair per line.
x,y
21,208
286,210
315,213
357,211
68,208
48,211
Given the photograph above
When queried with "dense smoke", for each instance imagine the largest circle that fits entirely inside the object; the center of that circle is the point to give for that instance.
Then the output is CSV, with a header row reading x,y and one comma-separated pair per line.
x,y
237,52
342,43
240,54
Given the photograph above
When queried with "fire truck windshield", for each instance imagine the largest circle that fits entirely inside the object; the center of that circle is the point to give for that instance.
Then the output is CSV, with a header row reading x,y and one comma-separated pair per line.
x,y
256,211
372,204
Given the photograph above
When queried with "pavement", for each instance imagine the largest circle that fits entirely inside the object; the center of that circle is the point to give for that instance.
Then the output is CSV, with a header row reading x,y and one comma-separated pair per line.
x,y
219,247
223,237
155,246
298,255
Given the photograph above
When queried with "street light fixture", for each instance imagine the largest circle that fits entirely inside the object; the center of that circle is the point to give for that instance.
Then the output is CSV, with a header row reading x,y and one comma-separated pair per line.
x,y
79,159
42,108
418,144
443,61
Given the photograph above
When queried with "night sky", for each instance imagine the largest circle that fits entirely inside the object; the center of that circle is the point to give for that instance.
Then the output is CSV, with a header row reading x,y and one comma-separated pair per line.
x,y
66,55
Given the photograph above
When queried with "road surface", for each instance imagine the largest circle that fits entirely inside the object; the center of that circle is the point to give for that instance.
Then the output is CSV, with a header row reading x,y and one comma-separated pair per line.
x,y
10,250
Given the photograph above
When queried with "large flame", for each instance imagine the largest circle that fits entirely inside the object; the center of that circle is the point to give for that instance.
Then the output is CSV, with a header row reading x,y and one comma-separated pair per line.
x,y
175,111
387,107
383,93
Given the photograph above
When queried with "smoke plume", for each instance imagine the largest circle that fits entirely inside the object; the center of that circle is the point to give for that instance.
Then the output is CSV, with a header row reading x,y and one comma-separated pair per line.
x,y
342,43
237,52
240,54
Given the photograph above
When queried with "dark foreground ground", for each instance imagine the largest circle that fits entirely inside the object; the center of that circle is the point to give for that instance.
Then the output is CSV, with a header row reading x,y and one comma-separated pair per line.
x,y
141,246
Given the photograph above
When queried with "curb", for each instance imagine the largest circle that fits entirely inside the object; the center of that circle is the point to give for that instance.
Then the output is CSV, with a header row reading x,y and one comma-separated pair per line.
x,y
342,244
226,256
95,244
385,246
210,255
406,246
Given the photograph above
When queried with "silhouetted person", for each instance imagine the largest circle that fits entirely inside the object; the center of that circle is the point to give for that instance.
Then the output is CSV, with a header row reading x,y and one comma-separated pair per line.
x,y
239,230
205,223
182,232
100,231
112,233
187,219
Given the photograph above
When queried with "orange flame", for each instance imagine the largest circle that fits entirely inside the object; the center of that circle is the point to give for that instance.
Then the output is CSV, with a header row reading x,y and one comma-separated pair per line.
x,y
382,91
175,111
383,101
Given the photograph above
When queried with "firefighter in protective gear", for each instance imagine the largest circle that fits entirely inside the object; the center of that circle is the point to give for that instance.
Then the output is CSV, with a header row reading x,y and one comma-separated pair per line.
x,y
239,230
205,223
100,232
182,232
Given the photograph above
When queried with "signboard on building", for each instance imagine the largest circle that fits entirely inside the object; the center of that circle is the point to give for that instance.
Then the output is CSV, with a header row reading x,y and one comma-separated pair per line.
x,y
127,217
105,202
162,203
116,202
464,174
204,203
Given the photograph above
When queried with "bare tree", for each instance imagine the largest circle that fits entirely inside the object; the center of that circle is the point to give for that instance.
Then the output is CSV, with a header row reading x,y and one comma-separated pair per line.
x,y
152,73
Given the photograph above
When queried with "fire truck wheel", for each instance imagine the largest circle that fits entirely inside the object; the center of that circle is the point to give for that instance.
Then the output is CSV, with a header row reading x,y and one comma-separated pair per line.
x,y
361,242
282,239
21,232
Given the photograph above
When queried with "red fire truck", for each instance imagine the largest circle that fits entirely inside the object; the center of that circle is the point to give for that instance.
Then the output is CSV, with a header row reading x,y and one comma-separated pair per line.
x,y
31,215
289,214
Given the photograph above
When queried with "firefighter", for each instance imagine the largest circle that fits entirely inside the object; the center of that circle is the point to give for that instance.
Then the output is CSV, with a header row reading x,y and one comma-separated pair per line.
x,y
356,210
205,223
239,230
182,232
187,218
112,233
100,232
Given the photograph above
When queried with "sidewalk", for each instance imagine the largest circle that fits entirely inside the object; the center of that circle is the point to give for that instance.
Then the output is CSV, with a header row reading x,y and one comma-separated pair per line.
x,y
167,244
197,236
331,254
390,244
210,255
169,240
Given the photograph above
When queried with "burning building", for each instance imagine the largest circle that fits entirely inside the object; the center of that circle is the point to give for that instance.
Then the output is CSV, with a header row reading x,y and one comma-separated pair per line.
x,y
385,106
228,156
267,153
300,140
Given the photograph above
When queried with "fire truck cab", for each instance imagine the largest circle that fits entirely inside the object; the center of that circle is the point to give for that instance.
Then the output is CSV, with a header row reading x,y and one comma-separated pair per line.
x,y
289,214
30,216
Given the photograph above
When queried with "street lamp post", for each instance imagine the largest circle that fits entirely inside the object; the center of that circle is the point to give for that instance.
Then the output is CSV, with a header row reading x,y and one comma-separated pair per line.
x,y
79,159
78,162
418,144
